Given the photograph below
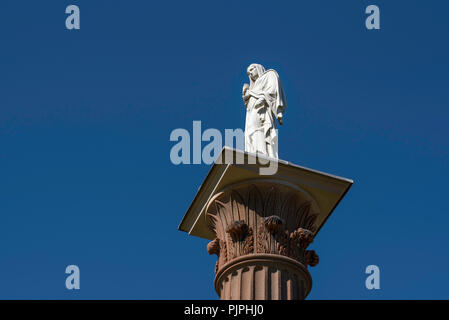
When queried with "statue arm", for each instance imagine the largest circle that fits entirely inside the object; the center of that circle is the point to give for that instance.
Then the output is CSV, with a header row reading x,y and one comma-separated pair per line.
x,y
259,96
245,94
265,97
273,91
280,118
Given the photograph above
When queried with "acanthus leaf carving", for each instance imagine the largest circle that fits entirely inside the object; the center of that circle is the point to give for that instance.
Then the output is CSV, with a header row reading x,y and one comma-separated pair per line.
x,y
248,243
259,219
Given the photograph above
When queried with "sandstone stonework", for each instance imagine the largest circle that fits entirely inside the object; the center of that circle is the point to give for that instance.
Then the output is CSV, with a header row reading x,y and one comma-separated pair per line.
x,y
264,228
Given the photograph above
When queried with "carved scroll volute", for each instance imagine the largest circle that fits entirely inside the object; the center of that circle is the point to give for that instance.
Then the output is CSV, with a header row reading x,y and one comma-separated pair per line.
x,y
213,247
299,241
238,230
312,258
273,224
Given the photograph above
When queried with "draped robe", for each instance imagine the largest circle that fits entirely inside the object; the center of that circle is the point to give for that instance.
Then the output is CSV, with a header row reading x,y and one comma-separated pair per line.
x,y
260,126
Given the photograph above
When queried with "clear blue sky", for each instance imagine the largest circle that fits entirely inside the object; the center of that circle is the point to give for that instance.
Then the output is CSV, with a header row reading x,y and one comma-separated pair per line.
x,y
85,120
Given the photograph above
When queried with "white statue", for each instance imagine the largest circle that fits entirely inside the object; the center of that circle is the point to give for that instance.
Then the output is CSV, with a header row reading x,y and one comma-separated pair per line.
x,y
265,101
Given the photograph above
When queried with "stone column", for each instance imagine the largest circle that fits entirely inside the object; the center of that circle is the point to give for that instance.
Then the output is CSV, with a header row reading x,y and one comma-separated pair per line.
x,y
262,231
260,226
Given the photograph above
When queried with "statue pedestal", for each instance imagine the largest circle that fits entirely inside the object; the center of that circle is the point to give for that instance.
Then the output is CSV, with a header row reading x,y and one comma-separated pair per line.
x,y
261,225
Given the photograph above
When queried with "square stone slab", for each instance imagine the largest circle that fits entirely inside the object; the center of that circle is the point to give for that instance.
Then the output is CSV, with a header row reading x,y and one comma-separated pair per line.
x,y
233,166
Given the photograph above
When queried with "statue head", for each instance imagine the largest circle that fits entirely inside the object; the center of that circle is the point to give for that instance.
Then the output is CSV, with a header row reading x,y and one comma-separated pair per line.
x,y
254,71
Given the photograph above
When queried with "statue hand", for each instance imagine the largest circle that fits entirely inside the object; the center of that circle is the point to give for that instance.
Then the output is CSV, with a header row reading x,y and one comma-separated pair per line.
x,y
245,101
245,98
259,103
280,119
